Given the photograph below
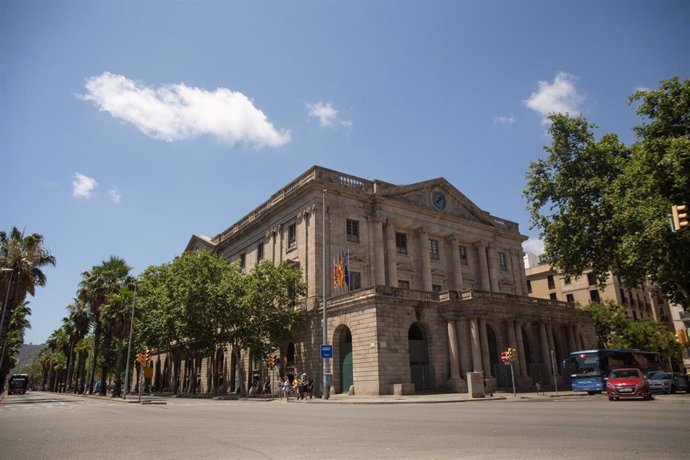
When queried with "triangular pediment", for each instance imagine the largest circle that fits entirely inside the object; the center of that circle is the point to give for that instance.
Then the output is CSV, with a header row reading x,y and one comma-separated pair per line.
x,y
200,242
440,196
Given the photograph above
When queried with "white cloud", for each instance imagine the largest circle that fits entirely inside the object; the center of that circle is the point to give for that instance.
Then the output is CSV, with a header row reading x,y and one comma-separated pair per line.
x,y
534,245
561,96
326,114
83,186
115,195
504,120
174,112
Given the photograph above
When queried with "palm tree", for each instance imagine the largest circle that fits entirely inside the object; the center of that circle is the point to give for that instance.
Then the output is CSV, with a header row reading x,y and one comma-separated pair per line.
x,y
24,256
15,336
76,325
96,284
116,317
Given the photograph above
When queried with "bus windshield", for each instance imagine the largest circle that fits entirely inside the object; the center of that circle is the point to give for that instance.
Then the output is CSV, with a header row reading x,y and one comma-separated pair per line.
x,y
19,382
584,365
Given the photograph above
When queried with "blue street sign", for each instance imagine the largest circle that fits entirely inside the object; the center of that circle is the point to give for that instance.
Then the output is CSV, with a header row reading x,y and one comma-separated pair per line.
x,y
326,351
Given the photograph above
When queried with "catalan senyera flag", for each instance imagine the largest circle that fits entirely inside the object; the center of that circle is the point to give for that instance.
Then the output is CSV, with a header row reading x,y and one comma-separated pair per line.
x,y
341,270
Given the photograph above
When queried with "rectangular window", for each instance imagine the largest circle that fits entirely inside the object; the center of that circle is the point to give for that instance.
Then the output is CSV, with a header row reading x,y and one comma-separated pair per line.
x,y
401,243
550,281
403,284
433,249
260,252
502,263
243,260
624,299
570,298
529,286
594,296
552,296
436,287
566,280
352,230
591,279
463,255
292,236
355,281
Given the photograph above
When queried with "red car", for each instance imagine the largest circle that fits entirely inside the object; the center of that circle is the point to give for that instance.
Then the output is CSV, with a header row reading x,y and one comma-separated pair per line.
x,y
627,384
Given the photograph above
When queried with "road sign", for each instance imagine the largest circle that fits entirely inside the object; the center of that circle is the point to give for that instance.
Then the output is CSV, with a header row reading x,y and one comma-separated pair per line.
x,y
326,351
504,357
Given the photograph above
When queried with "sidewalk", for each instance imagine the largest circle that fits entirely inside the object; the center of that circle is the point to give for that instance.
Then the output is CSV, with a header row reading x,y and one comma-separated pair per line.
x,y
439,398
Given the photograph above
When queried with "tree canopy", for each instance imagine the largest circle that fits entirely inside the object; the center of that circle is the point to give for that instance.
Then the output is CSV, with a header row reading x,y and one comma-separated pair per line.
x,y
603,205
616,330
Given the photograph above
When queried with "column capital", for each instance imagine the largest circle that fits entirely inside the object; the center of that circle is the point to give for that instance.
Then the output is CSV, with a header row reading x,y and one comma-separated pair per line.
x,y
453,238
480,243
423,230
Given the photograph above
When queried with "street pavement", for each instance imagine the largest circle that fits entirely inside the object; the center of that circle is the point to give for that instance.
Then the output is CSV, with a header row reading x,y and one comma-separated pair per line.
x,y
564,426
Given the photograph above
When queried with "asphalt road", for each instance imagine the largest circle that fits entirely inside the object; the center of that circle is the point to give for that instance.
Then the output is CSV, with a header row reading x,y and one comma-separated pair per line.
x,y
43,425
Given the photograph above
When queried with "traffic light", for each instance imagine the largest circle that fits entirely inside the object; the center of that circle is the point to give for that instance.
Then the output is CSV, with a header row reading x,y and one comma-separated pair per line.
x,y
141,359
680,216
682,337
147,352
511,354
271,361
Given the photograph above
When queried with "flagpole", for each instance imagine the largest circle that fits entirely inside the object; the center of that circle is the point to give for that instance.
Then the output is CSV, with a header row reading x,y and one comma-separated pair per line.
x,y
325,271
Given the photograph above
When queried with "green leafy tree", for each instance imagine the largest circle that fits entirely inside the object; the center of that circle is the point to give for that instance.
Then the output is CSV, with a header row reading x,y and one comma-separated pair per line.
x,y
267,311
609,321
602,205
615,329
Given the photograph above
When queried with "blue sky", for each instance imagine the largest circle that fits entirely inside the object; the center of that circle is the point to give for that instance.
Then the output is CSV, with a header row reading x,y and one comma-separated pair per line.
x,y
125,127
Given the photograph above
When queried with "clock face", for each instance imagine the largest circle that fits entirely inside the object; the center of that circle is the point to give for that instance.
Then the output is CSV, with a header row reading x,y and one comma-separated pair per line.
x,y
439,200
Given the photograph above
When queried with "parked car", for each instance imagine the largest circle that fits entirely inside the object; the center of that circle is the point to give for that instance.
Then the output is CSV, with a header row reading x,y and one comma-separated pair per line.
x,y
667,382
627,384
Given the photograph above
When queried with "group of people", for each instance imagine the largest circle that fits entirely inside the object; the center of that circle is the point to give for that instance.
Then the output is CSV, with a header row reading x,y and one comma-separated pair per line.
x,y
298,387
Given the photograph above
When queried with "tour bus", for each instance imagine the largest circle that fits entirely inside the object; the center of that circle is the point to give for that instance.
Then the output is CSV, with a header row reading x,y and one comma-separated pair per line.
x,y
18,384
589,368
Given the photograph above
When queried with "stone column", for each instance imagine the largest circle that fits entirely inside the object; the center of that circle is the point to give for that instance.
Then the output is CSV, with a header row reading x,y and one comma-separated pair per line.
x,y
426,258
391,255
486,361
465,347
571,338
549,335
455,262
302,239
515,261
493,268
453,350
522,353
280,244
511,334
476,354
545,357
379,261
483,266
271,244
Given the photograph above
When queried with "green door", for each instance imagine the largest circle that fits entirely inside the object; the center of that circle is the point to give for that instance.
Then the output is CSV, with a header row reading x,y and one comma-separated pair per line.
x,y
345,361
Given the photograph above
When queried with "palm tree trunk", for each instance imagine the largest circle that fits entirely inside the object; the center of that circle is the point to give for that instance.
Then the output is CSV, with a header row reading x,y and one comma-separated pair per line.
x,y
118,369
96,343
107,345
70,367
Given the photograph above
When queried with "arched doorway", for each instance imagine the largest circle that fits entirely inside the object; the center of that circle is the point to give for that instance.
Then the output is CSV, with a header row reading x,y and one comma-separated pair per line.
x,y
419,358
345,348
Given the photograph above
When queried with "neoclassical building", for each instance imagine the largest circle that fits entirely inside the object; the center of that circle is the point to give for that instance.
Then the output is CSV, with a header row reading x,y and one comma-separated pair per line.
x,y
437,286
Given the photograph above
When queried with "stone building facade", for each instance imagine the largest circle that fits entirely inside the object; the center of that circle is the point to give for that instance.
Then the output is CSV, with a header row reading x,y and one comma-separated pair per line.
x,y
437,286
